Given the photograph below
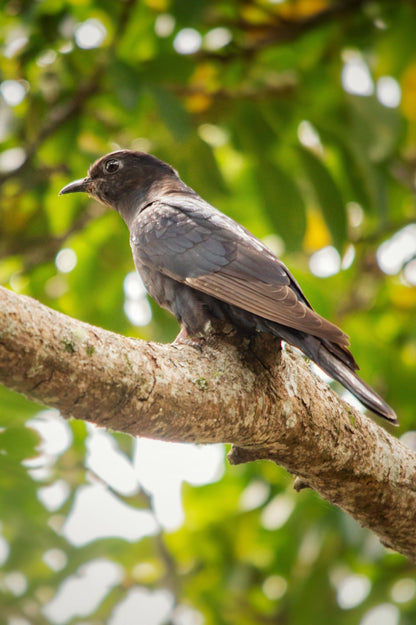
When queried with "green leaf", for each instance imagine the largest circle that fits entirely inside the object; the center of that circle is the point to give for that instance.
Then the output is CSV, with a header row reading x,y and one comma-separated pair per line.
x,y
328,196
127,83
251,131
353,164
282,203
375,128
19,442
173,113
201,171
15,408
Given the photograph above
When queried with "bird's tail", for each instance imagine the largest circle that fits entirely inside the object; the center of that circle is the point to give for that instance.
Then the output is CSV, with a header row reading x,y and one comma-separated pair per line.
x,y
339,364
336,360
348,378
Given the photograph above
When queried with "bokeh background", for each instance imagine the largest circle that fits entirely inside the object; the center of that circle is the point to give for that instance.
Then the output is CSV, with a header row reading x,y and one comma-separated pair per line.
x,y
298,119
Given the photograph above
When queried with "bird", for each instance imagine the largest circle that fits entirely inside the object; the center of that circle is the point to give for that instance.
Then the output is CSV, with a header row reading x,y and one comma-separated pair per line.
x,y
201,265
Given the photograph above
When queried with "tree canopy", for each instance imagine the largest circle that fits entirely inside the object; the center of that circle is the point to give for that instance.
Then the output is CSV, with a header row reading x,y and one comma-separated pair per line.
x,y
298,119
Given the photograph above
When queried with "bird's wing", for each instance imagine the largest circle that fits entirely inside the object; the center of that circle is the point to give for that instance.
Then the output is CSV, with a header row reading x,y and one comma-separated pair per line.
x,y
188,240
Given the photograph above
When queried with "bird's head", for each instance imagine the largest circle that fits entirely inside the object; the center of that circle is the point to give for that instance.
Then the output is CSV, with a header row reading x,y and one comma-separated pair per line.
x,y
126,181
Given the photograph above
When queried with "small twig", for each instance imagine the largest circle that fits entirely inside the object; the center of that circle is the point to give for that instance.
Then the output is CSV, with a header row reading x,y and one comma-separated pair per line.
x,y
266,92
37,250
300,484
386,229
128,6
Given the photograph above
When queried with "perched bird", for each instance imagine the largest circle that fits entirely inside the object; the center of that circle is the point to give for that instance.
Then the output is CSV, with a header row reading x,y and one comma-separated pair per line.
x,y
200,264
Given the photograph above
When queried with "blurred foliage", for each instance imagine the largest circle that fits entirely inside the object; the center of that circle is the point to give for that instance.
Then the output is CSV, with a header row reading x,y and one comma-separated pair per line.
x,y
259,118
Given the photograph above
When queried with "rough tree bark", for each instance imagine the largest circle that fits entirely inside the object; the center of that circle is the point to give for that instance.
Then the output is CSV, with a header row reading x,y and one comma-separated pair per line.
x,y
262,399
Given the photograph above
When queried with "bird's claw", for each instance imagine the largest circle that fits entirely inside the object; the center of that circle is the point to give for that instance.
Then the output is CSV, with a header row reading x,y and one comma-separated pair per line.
x,y
183,338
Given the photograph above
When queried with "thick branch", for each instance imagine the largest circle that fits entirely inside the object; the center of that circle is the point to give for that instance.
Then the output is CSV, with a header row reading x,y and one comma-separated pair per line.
x,y
266,402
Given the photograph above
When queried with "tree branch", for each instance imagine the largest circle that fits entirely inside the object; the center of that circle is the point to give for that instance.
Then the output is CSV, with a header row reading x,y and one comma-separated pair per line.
x,y
277,29
266,402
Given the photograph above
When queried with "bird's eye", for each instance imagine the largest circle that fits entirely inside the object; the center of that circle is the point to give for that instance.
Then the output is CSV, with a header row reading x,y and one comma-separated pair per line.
x,y
111,165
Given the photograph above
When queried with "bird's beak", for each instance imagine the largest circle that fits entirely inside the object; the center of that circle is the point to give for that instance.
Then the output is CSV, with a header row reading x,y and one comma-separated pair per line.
x,y
78,186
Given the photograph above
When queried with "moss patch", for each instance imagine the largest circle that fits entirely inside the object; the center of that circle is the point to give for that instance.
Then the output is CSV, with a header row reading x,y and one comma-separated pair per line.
x,y
201,383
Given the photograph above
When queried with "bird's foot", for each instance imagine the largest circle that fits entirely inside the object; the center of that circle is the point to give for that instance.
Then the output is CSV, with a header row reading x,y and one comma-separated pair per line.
x,y
183,338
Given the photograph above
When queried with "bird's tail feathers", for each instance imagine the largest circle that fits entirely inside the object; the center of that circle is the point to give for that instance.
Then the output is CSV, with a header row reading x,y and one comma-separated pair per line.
x,y
348,378
338,363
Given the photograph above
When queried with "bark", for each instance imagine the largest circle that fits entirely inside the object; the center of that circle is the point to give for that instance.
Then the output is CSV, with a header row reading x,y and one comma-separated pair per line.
x,y
263,400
